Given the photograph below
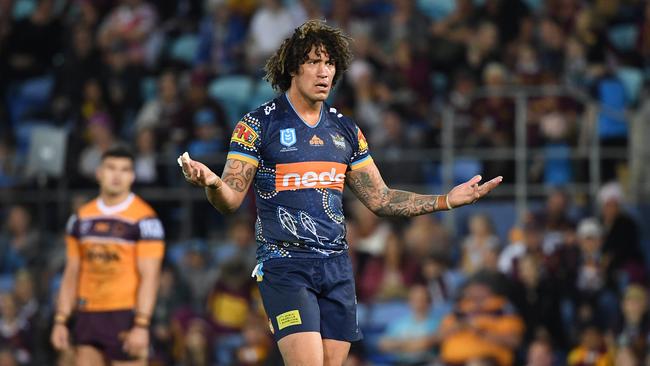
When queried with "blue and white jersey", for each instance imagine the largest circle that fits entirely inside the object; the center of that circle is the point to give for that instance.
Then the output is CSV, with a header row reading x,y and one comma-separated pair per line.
x,y
300,177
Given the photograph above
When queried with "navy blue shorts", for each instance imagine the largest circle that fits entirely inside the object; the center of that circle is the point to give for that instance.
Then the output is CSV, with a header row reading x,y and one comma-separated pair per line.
x,y
105,331
310,295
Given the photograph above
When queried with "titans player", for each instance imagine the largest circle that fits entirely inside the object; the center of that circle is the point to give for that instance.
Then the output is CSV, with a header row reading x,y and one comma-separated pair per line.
x,y
299,152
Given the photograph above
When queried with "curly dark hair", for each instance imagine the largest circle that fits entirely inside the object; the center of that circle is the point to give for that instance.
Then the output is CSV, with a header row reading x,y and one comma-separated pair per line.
x,y
294,52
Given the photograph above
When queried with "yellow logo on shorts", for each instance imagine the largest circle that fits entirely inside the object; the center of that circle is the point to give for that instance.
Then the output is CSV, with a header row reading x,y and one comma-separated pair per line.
x,y
288,319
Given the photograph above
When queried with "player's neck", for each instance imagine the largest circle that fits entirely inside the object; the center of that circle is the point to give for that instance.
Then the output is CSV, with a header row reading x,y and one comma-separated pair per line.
x,y
113,199
306,109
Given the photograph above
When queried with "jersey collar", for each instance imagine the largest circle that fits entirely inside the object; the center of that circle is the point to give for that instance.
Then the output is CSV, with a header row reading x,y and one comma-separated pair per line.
x,y
110,210
320,118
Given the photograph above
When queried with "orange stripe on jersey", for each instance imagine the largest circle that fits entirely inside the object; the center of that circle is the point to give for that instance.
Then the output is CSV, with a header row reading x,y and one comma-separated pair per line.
x,y
71,246
150,249
312,174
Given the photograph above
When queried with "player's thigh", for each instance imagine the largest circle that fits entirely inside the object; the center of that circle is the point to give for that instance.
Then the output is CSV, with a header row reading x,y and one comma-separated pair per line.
x,y
335,352
302,349
88,355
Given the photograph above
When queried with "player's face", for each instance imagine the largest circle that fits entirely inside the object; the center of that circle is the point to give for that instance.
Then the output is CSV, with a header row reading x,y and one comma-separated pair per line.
x,y
115,175
315,75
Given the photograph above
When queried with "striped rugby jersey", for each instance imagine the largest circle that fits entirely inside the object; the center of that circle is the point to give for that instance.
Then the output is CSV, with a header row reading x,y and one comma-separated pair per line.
x,y
108,241
300,177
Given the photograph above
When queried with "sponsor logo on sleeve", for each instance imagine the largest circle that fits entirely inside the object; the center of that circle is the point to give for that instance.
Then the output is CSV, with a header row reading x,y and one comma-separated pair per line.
x,y
151,229
244,134
363,144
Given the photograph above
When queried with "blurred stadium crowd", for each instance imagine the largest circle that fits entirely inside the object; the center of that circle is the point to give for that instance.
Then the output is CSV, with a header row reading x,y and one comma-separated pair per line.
x,y
567,286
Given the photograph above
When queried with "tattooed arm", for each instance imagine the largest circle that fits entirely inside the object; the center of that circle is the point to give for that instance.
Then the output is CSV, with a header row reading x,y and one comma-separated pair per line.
x,y
226,193
368,185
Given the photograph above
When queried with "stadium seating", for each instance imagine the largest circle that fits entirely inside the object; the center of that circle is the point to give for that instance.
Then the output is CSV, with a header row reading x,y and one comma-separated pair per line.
x,y
234,93
183,48
623,36
436,9
29,97
632,79
263,93
23,8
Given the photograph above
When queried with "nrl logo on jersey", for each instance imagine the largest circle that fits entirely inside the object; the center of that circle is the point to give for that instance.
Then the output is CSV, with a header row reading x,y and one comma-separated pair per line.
x,y
244,134
339,141
288,137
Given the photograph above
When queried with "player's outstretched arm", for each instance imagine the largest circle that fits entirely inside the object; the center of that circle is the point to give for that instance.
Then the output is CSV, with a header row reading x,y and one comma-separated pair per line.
x,y
237,176
368,185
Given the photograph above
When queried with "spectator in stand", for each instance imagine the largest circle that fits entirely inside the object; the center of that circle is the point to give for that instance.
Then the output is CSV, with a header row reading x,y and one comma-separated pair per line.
x,y
210,136
7,357
145,164
14,331
122,82
100,131
531,244
425,235
196,99
388,276
540,353
222,34
172,295
633,329
442,281
9,171
592,350
271,15
32,43
621,237
162,114
538,301
131,22
25,296
372,235
257,344
596,294
481,246
239,243
196,270
81,62
19,241
482,326
233,303
555,220
410,339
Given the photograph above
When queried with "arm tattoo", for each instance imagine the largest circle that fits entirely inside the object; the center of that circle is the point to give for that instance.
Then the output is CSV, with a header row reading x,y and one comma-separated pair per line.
x,y
383,201
238,174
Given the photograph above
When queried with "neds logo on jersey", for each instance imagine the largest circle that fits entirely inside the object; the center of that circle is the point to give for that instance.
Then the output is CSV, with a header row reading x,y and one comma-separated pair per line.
x,y
244,134
313,174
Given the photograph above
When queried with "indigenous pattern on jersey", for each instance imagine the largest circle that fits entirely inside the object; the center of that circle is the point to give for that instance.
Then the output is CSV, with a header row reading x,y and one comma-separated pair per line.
x,y
300,177
108,241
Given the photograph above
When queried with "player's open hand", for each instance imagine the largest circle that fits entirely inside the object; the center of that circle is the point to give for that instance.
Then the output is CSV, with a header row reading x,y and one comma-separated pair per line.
x,y
136,342
470,191
60,337
197,173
